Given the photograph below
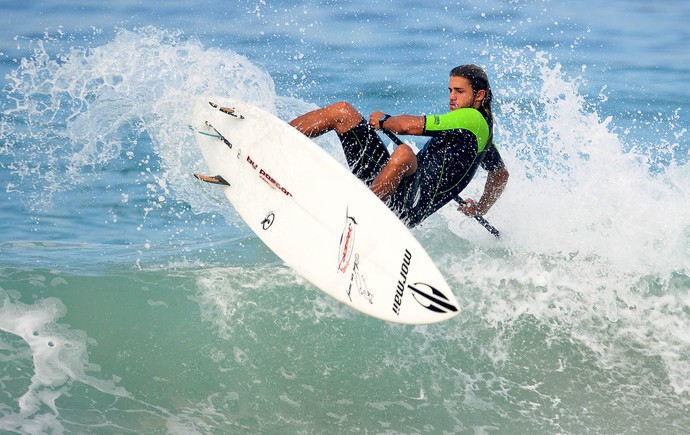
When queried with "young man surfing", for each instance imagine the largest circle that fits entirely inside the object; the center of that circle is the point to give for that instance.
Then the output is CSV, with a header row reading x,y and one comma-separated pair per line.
x,y
416,185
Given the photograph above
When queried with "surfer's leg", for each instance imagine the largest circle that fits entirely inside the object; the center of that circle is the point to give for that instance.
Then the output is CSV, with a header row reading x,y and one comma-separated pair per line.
x,y
402,163
364,150
340,117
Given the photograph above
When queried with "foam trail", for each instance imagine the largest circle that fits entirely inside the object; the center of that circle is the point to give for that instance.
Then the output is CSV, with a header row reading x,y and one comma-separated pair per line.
x,y
59,356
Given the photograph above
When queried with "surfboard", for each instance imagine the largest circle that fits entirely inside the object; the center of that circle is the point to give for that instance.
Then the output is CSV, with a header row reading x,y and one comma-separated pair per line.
x,y
318,217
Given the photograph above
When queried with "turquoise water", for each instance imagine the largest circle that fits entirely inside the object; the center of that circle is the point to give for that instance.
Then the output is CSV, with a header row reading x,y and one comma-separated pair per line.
x,y
134,300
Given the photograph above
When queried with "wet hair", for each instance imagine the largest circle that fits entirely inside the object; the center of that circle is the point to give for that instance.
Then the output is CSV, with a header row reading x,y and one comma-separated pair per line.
x,y
478,81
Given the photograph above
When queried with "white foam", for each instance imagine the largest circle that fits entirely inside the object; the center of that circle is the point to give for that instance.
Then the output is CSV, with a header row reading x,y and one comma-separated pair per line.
x,y
97,101
592,233
227,295
59,356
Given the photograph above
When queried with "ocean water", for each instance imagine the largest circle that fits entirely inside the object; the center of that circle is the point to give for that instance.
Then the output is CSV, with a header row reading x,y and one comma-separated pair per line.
x,y
134,300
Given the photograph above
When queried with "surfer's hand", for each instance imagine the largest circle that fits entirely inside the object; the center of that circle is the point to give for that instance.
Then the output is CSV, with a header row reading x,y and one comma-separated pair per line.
x,y
470,208
374,119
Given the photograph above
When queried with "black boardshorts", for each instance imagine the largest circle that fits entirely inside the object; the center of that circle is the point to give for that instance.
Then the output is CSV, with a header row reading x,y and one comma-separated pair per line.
x,y
367,155
364,151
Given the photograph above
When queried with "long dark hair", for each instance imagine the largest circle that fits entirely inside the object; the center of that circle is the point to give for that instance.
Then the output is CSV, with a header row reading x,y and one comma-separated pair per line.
x,y
478,81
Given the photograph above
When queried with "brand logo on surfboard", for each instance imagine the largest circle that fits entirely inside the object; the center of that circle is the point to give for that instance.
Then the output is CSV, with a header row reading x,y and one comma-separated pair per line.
x,y
268,221
347,243
426,295
400,289
267,177
431,298
358,282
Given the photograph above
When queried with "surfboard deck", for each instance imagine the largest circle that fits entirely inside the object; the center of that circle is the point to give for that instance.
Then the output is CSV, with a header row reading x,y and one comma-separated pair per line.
x,y
318,217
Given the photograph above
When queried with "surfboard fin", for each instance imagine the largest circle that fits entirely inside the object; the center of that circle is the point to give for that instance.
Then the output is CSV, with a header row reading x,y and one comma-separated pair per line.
x,y
219,136
227,110
212,179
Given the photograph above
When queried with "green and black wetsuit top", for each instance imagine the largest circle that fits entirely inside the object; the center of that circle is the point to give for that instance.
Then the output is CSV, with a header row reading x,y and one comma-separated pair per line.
x,y
460,142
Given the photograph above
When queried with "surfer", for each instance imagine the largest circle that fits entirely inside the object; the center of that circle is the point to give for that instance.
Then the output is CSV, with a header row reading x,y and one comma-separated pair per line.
x,y
417,185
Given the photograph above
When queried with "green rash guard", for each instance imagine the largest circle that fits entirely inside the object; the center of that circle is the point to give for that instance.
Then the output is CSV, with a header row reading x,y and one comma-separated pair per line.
x,y
467,119
459,142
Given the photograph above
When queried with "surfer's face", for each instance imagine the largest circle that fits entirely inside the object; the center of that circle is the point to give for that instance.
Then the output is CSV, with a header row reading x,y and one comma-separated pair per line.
x,y
461,94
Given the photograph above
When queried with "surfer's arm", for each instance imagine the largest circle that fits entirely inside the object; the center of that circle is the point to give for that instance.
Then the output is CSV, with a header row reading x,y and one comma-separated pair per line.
x,y
496,181
401,124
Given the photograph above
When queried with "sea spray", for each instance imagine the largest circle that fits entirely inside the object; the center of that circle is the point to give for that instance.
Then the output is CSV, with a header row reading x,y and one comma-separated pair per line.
x,y
597,238
88,107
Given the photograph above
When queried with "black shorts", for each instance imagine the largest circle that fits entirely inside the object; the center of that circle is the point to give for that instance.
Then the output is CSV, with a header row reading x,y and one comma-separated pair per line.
x,y
365,152
367,155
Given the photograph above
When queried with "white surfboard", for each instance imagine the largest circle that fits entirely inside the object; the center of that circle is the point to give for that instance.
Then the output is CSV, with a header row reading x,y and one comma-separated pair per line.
x,y
319,218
